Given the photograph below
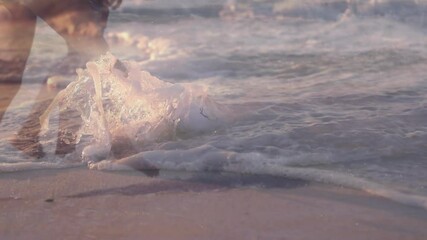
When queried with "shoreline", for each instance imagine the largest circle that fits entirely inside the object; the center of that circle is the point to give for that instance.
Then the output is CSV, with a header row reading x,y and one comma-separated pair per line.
x,y
77,203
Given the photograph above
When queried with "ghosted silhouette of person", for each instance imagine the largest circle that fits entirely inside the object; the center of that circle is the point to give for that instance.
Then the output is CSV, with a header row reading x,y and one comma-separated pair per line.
x,y
81,23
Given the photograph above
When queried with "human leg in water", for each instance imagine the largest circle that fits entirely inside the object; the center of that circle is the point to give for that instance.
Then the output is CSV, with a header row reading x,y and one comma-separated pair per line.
x,y
17,27
81,23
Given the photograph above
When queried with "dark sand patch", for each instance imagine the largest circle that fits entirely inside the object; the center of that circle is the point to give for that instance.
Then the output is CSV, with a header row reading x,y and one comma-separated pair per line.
x,y
89,204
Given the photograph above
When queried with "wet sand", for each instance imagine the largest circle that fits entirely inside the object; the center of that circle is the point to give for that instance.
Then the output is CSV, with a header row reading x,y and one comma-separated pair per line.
x,y
82,204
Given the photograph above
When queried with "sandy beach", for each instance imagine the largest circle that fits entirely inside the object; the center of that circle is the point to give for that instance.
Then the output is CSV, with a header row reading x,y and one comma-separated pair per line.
x,y
79,203
336,88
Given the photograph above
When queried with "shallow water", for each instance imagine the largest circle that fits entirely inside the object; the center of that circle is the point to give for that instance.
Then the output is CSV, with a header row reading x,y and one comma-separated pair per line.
x,y
330,91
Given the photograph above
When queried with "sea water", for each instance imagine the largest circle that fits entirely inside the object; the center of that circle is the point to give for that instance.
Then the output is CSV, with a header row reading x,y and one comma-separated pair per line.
x,y
325,90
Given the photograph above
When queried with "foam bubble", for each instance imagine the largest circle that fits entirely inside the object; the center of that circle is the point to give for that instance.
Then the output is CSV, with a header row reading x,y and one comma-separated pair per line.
x,y
151,49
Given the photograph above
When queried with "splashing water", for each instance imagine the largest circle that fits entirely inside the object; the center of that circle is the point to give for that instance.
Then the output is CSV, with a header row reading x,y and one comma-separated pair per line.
x,y
118,102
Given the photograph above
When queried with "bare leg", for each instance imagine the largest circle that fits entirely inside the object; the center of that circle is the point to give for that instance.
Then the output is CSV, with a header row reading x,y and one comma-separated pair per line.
x,y
17,26
79,22
82,26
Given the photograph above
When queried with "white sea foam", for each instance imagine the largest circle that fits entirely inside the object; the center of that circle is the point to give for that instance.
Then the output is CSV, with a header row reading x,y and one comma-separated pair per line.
x,y
206,158
148,49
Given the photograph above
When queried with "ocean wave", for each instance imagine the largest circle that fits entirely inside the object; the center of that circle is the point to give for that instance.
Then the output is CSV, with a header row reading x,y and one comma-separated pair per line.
x,y
208,159
412,11
409,11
